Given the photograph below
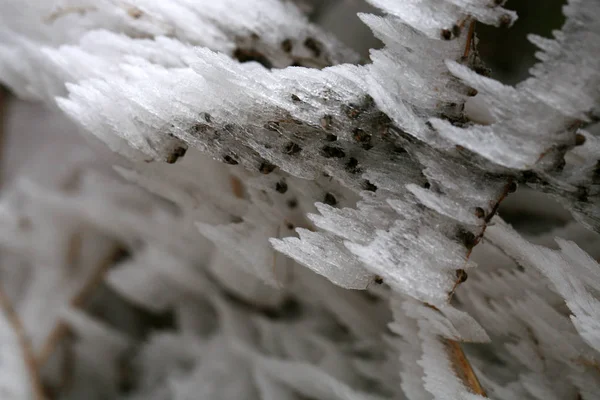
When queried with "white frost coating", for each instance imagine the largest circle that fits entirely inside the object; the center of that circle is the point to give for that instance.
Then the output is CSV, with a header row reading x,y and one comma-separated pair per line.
x,y
411,374
354,225
220,26
240,280
467,327
304,378
439,378
247,247
444,205
325,254
407,255
155,279
571,271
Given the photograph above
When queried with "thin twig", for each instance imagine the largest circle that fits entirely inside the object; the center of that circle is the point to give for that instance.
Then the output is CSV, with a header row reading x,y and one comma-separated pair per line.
x,y
460,364
470,40
62,329
462,367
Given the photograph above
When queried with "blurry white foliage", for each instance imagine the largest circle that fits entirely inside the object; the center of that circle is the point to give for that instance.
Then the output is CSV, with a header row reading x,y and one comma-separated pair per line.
x,y
322,254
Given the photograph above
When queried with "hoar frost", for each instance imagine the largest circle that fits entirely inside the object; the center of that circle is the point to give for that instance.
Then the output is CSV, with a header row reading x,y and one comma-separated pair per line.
x,y
284,221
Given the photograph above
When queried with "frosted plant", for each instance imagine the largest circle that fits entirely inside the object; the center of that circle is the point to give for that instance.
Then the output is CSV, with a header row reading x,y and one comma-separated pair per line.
x,y
284,220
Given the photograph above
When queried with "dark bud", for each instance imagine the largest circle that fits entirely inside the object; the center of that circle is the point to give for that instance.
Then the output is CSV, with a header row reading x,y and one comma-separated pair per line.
x,y
505,20
333,152
292,148
351,110
295,98
362,137
582,194
198,129
382,118
286,45
461,274
290,226
456,30
446,34
378,280
281,187
292,203
352,165
176,154
399,150
207,117
482,70
330,199
579,139
314,46
427,185
243,56
472,92
230,160
467,238
479,212
369,186
235,219
266,168
135,13
368,101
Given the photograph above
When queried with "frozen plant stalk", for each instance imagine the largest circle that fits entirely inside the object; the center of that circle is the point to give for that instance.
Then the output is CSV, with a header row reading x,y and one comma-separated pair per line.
x,y
291,223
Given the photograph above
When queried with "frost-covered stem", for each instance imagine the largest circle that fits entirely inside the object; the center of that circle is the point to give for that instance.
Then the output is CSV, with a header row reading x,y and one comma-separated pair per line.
x,y
62,329
462,367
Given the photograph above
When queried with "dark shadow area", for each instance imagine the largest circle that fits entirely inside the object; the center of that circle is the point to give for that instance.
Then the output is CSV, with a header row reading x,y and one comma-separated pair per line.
x,y
506,50
533,213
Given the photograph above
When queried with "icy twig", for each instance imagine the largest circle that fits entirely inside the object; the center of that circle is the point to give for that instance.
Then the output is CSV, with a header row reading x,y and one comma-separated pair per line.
x,y
462,367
